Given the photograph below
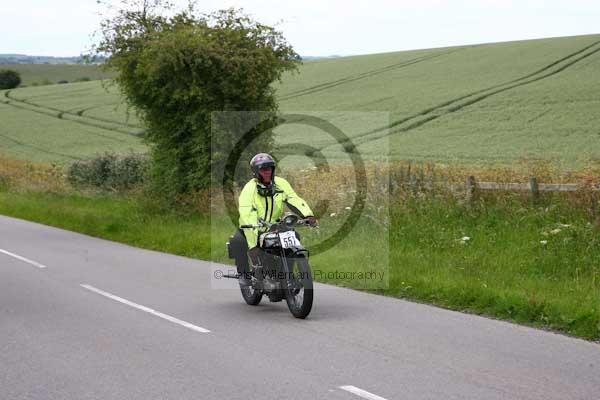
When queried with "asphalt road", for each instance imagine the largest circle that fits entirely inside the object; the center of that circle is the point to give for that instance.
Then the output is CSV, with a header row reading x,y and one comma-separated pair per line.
x,y
83,318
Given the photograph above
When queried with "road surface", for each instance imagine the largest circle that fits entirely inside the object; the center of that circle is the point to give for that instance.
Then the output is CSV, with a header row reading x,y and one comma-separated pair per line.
x,y
84,318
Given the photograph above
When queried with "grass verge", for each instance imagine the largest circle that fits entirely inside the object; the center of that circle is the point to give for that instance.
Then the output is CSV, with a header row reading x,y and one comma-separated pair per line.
x,y
536,265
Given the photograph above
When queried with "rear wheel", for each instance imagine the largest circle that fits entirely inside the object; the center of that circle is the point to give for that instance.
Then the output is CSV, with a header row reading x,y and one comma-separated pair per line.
x,y
251,295
299,294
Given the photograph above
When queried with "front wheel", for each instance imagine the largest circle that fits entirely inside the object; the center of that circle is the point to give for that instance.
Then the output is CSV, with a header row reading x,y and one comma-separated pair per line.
x,y
299,294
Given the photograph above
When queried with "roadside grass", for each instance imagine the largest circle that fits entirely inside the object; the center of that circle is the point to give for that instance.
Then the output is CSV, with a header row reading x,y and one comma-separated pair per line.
x,y
22,175
537,265
113,217
503,270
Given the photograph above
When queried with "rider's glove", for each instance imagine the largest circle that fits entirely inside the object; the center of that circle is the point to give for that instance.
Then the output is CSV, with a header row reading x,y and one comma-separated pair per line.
x,y
312,221
254,254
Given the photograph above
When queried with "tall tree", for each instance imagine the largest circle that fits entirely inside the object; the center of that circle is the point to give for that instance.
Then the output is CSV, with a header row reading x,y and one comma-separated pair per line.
x,y
176,70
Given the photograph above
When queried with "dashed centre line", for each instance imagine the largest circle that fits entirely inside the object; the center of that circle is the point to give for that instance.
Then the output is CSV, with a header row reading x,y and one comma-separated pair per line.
x,y
361,393
146,309
21,258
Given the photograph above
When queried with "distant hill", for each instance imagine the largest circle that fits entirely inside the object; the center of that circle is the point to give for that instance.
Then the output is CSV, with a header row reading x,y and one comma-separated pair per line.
x,y
26,59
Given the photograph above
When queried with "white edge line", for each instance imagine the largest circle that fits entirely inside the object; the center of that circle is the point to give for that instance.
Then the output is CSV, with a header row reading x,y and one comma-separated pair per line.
x,y
361,393
18,257
146,309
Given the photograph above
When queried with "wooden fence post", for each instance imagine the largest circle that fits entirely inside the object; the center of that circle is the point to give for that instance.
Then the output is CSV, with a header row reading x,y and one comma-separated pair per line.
x,y
470,189
535,189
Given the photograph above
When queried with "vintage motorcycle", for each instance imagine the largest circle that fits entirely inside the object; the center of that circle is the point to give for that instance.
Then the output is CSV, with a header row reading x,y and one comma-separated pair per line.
x,y
284,271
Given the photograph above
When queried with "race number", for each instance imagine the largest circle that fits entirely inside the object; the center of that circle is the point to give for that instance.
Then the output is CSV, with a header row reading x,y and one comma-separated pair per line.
x,y
288,239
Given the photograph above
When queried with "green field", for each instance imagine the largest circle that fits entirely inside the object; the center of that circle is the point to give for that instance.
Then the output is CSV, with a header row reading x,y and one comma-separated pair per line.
x,y
490,104
32,74
36,136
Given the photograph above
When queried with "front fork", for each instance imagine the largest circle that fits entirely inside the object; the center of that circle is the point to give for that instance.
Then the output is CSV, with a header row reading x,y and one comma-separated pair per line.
x,y
289,283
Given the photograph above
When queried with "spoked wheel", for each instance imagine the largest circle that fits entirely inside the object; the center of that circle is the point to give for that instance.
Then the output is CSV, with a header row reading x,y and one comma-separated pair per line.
x,y
251,295
299,295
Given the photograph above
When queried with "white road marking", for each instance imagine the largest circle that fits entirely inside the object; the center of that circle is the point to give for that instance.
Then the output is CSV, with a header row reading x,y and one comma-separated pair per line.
x,y
361,393
18,257
146,309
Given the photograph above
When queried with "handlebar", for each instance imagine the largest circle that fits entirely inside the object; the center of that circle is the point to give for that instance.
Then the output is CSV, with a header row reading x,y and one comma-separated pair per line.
x,y
263,223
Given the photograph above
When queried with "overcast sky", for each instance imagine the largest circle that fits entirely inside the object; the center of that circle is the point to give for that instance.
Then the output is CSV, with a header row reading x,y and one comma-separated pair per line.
x,y
320,27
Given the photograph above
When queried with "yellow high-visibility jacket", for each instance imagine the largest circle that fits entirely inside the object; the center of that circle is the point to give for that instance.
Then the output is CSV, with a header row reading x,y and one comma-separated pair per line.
x,y
252,205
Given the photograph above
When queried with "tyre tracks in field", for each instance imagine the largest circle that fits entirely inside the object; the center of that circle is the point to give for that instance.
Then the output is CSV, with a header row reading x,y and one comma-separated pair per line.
x,y
76,117
61,115
456,104
363,75
40,149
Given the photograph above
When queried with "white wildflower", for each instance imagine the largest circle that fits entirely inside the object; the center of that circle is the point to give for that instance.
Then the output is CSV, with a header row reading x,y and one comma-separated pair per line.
x,y
332,215
555,231
463,240
564,225
544,242
348,208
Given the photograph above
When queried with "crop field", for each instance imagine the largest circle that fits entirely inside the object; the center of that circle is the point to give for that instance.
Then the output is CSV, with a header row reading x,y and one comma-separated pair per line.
x,y
483,104
40,135
32,74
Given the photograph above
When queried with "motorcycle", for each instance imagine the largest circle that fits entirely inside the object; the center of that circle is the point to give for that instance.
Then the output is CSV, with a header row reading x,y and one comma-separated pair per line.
x,y
283,271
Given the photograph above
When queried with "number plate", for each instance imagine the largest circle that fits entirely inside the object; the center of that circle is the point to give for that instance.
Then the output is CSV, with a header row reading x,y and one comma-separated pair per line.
x,y
288,239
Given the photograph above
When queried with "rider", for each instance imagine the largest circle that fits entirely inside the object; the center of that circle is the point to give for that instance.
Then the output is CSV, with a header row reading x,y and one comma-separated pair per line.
x,y
263,196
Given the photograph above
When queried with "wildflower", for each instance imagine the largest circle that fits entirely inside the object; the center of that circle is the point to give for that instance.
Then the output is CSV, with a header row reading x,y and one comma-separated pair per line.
x,y
555,231
564,225
348,208
544,242
463,240
332,215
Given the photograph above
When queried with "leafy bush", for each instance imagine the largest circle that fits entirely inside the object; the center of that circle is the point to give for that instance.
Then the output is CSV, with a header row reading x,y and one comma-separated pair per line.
x,y
109,172
9,79
62,81
177,71
82,79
